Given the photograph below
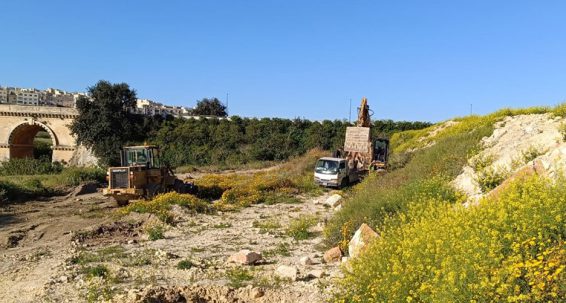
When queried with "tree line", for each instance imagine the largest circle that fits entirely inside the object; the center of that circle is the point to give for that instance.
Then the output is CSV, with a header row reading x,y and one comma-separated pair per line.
x,y
105,124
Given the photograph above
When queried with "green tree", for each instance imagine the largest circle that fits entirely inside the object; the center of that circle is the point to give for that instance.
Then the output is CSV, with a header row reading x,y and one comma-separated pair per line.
x,y
210,107
105,123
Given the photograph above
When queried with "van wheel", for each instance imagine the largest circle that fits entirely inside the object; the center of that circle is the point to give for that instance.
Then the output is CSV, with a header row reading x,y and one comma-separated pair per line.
x,y
345,182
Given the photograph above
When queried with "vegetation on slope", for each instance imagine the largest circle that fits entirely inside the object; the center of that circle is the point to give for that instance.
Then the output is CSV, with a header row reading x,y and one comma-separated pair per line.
x,y
509,248
433,250
427,172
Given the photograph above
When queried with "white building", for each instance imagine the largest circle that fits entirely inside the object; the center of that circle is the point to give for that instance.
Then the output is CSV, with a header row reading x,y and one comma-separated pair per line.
x,y
3,95
21,96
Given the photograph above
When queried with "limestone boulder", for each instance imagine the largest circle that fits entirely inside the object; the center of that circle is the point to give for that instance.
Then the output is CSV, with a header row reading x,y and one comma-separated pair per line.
x,y
287,272
334,200
245,257
363,236
333,255
316,274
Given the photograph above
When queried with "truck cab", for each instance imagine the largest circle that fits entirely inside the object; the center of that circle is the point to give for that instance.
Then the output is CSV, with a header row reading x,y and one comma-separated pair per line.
x,y
334,172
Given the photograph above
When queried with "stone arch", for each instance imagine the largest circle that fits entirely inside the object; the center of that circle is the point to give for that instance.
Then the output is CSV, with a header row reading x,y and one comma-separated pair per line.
x,y
21,138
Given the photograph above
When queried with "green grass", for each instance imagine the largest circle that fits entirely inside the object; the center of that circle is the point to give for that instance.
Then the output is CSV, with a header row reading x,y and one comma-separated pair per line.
x,y
101,255
96,271
161,206
185,264
239,277
299,228
282,249
24,187
266,225
29,166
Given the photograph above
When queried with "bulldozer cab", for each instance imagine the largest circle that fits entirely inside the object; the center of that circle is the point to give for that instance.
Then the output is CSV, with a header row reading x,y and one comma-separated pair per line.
x,y
147,156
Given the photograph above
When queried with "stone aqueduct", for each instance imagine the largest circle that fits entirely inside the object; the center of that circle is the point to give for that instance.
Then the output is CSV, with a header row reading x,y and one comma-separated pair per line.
x,y
20,124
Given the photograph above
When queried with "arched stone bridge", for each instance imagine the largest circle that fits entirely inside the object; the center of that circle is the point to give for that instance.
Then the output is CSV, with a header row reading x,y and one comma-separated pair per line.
x,y
20,124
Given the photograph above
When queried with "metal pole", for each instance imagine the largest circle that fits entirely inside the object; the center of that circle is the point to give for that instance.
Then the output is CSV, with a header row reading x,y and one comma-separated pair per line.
x,y
350,114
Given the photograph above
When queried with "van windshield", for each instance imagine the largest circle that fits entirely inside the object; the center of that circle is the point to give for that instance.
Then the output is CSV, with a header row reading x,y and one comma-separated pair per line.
x,y
328,167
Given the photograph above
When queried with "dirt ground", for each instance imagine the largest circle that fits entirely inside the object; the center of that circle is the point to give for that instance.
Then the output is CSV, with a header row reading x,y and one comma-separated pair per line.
x,y
50,250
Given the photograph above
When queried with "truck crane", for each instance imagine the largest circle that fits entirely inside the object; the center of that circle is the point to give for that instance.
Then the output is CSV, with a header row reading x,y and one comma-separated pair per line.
x,y
359,156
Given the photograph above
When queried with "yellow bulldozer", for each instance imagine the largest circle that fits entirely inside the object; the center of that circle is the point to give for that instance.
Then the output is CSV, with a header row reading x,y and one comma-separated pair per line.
x,y
142,175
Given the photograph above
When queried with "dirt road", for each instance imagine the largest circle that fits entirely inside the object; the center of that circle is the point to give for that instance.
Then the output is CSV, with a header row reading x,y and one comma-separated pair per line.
x,y
76,249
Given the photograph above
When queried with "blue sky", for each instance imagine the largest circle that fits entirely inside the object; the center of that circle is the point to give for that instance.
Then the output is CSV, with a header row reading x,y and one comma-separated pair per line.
x,y
414,60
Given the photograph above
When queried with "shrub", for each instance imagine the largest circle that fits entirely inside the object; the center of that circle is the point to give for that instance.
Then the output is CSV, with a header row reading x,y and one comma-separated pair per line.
x,y
531,153
73,176
562,129
96,271
510,248
161,205
490,178
29,166
185,264
398,160
155,232
299,228
481,162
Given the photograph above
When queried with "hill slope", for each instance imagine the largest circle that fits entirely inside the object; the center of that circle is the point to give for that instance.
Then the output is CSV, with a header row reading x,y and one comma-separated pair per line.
x,y
434,247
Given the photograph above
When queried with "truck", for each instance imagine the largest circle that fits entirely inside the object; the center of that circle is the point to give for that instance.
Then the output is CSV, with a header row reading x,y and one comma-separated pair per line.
x,y
359,156
142,174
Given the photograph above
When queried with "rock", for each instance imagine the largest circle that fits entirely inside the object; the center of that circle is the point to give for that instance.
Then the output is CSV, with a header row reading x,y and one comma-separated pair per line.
x,y
332,255
245,257
337,208
287,272
85,188
306,261
345,259
316,274
363,236
333,200
64,279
